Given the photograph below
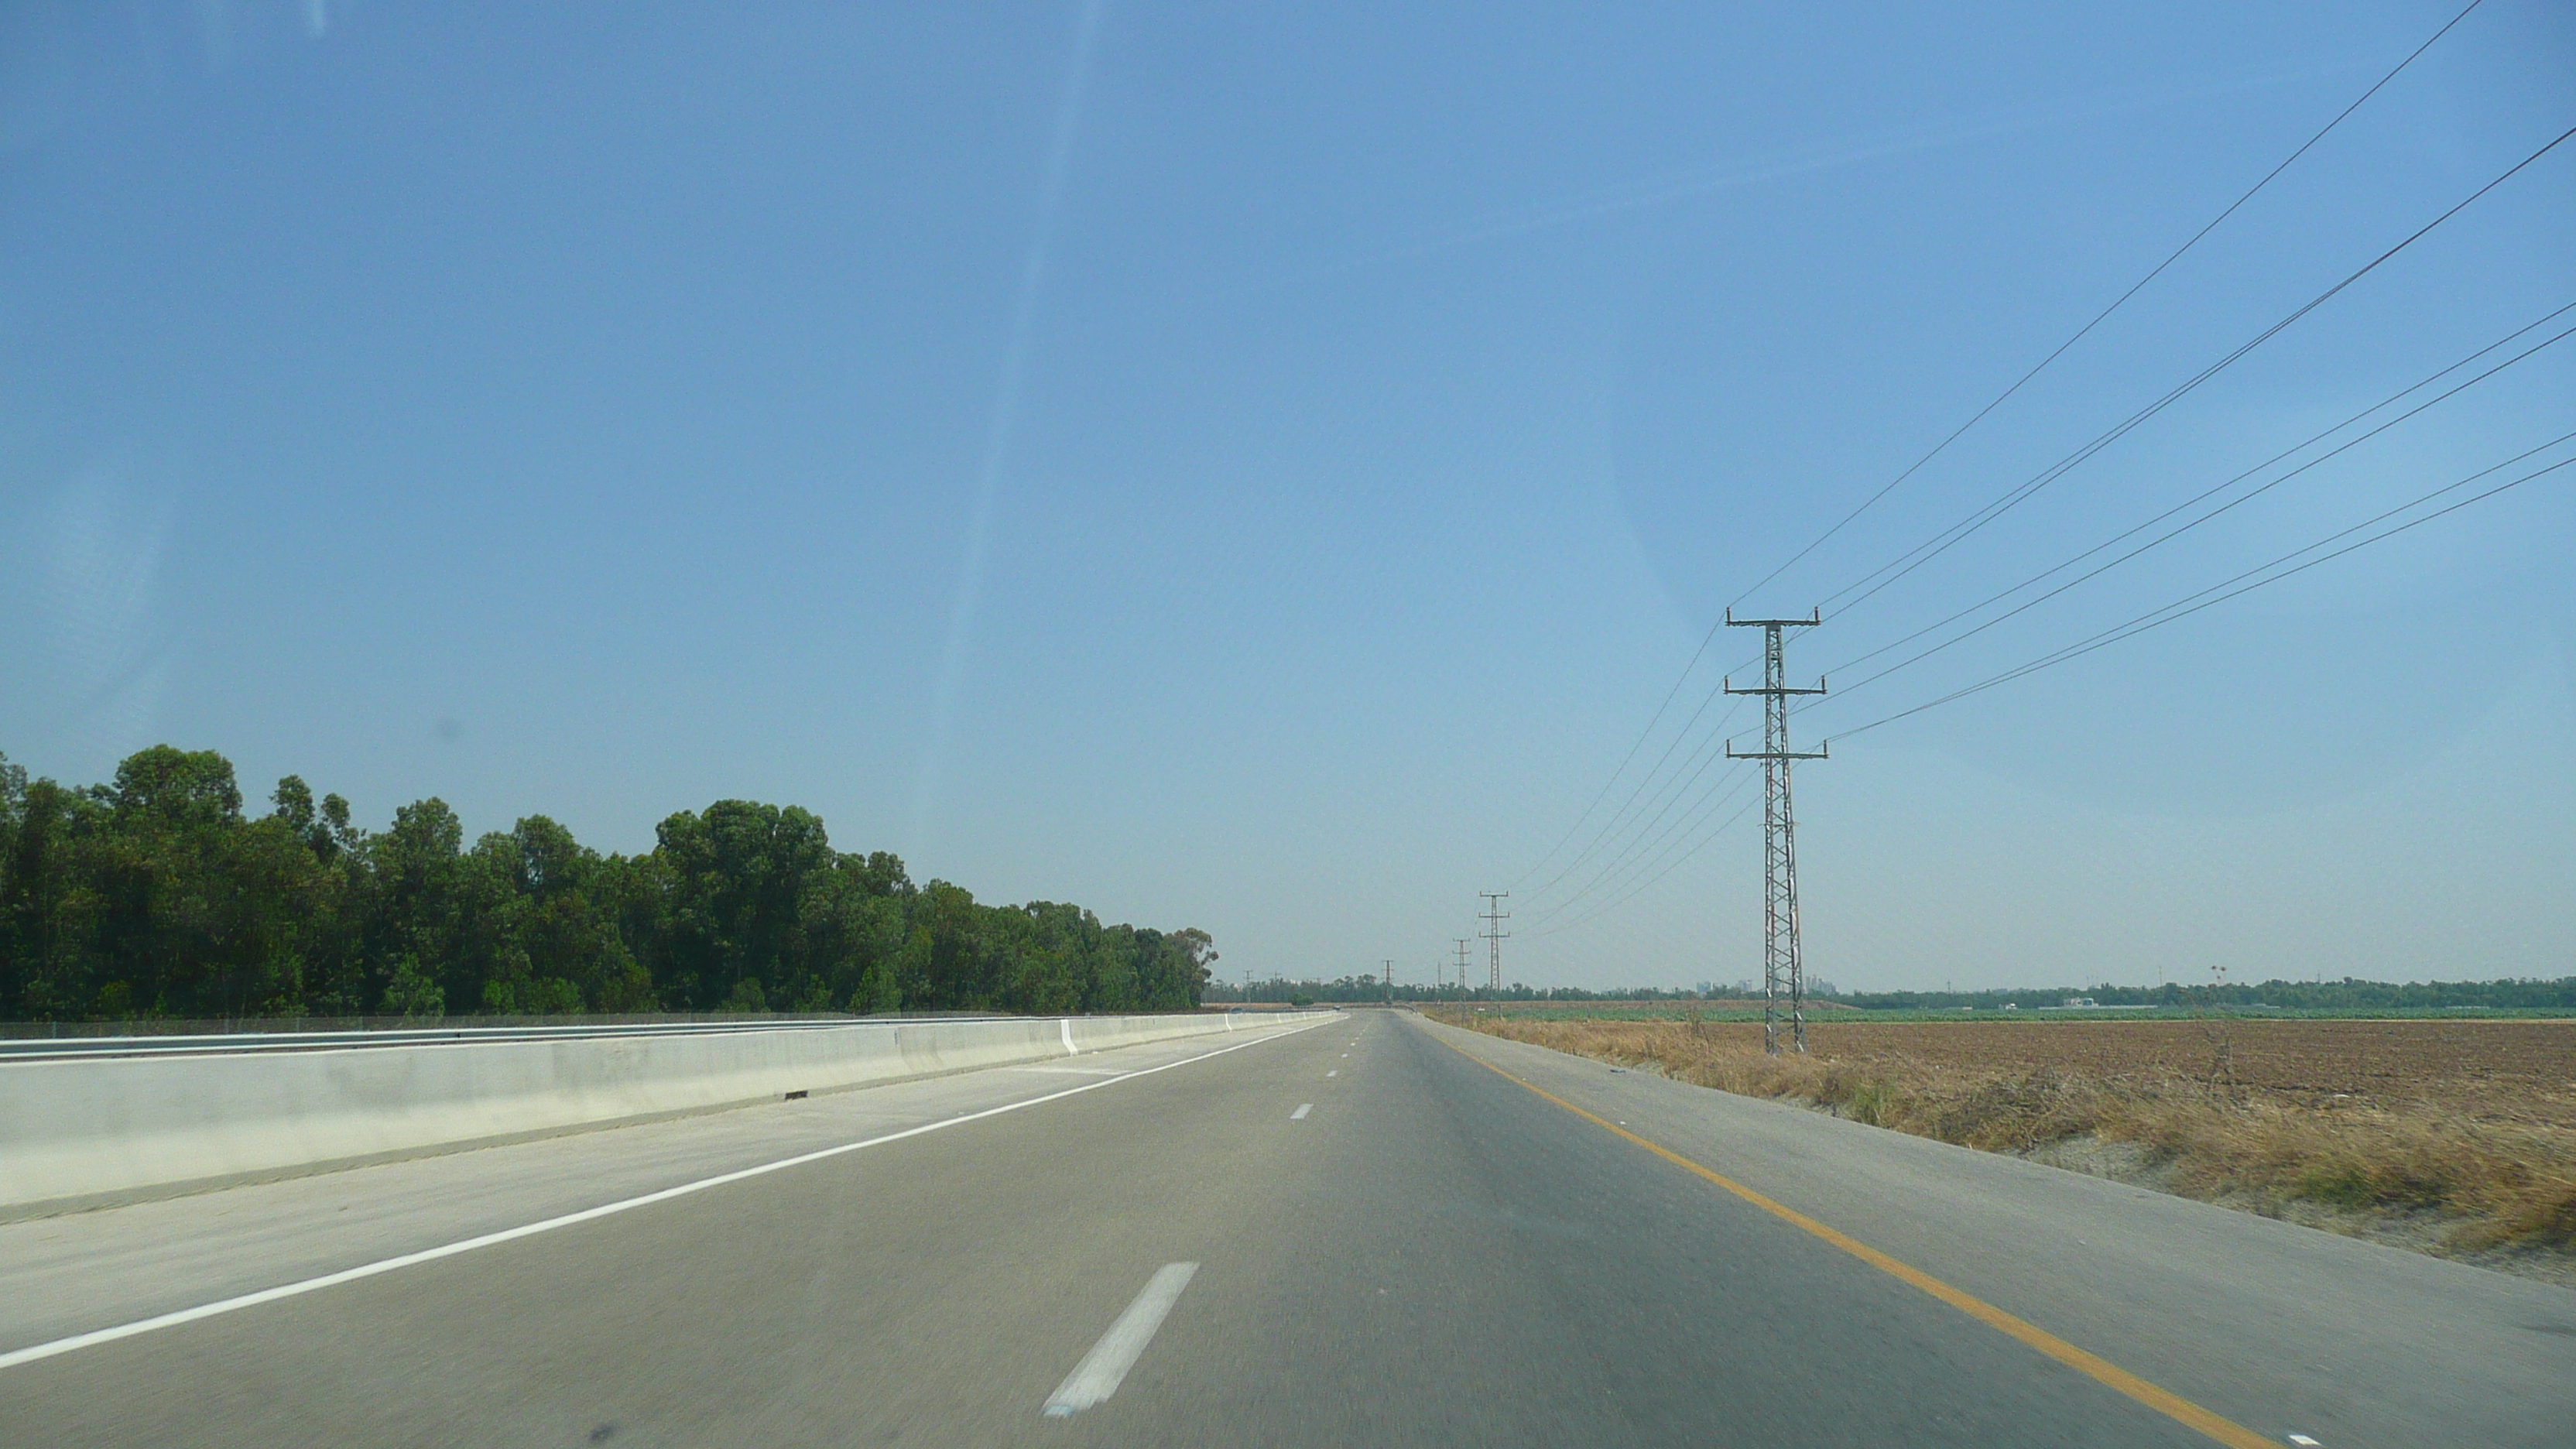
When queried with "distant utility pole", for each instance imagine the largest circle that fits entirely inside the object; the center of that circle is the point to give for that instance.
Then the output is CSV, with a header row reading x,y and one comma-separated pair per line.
x,y
1783,970
1463,942
1390,983
1495,935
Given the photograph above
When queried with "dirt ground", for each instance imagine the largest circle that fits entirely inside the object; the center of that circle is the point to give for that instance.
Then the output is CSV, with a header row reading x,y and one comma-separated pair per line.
x,y
2520,1071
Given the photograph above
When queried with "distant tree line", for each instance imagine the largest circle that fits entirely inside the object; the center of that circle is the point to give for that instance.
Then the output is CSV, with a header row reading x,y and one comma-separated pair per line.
x,y
158,896
1373,988
2347,994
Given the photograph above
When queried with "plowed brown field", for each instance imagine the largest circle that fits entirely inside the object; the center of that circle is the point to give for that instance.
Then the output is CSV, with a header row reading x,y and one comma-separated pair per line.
x,y
2508,1070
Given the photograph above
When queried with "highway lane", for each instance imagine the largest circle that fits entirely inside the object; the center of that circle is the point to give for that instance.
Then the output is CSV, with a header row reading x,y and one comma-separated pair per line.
x,y
1431,1253
73,1273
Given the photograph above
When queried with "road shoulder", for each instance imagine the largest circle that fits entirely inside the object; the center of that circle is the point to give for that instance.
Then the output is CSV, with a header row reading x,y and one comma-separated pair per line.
x,y
2263,1321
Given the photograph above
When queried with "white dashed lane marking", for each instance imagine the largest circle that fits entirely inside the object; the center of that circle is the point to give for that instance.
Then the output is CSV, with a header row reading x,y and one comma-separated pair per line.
x,y
1105,1367
1302,1109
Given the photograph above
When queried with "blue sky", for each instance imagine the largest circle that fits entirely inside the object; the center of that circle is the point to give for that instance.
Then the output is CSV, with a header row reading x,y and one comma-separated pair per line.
x,y
1261,467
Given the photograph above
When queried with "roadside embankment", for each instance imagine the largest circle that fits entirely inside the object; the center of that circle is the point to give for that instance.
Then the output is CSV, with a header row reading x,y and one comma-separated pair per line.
x,y
2452,1138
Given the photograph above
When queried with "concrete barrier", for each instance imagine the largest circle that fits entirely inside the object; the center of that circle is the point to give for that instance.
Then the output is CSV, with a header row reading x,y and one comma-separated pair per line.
x,y
80,1131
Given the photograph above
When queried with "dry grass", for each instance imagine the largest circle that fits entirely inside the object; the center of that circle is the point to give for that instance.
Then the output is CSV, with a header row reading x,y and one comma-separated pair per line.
x,y
2468,1126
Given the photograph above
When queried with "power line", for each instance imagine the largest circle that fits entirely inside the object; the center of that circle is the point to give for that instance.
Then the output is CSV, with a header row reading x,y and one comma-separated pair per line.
x,y
1696,764
1644,735
1645,841
2186,606
1647,883
2239,478
1649,845
1914,558
1609,784
1643,851
1647,873
1940,543
2246,497
2103,315
1643,782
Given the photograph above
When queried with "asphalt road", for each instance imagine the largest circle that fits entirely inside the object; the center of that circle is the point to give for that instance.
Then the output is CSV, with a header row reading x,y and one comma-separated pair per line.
x,y
1432,1251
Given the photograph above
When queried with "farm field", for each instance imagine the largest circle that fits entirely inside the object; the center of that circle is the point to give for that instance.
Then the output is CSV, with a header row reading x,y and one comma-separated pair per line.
x,y
2453,1137
1822,1009
2486,1070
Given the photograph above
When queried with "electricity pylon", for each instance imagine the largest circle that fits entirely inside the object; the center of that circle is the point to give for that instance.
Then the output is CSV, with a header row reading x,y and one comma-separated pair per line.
x,y
1783,969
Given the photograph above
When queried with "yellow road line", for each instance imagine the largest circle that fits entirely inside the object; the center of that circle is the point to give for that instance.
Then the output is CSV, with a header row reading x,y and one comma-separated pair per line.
x,y
2164,1401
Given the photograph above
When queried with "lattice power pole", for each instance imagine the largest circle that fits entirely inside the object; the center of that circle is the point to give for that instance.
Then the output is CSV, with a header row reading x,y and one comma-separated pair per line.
x,y
1390,983
1783,969
1463,943
1495,935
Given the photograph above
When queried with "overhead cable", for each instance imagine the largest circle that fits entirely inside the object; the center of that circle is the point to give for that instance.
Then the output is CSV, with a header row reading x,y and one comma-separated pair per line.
x,y
1606,785
1648,839
1611,824
1940,543
1642,886
2222,591
2103,315
1701,651
2246,497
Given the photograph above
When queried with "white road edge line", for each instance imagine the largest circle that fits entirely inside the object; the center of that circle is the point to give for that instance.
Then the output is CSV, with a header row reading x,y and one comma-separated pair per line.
x,y
95,1337
1104,1368
1297,1116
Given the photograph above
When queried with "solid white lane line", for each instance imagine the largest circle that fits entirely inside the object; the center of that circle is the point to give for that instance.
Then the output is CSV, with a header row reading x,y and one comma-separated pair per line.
x,y
95,1337
1106,1366
1302,1109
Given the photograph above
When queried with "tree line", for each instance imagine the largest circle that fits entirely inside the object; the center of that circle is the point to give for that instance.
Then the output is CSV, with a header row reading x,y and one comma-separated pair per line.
x,y
1363,987
156,895
2348,994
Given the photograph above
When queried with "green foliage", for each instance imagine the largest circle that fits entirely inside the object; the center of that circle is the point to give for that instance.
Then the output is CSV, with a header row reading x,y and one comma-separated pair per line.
x,y
155,896
412,995
1870,1101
